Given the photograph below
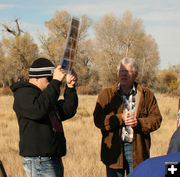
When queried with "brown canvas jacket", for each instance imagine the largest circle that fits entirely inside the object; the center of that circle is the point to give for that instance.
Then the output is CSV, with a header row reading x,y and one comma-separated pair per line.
x,y
108,117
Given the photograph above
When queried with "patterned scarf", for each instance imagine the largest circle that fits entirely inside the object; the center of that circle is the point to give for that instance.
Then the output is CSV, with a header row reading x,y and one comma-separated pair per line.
x,y
129,105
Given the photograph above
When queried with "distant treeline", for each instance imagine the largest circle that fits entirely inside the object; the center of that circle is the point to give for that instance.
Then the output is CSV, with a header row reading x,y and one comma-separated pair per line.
x,y
96,56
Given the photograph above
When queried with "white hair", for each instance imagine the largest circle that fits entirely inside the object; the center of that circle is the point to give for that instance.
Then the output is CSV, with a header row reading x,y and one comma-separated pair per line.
x,y
131,61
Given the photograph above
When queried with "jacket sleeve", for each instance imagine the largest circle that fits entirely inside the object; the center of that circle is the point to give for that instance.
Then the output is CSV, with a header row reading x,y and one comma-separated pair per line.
x,y
174,145
34,104
68,106
149,117
105,115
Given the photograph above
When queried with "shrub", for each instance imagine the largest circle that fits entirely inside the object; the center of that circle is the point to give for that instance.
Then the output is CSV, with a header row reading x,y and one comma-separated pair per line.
x,y
5,91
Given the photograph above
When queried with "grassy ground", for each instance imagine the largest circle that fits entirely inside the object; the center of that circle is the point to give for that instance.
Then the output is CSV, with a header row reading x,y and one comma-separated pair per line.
x,y
83,138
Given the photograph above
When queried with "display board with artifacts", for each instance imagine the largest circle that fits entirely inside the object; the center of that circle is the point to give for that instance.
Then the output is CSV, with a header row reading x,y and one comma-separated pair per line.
x,y
70,48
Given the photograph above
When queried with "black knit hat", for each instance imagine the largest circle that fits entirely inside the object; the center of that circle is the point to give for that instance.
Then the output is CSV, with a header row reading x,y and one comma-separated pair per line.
x,y
41,67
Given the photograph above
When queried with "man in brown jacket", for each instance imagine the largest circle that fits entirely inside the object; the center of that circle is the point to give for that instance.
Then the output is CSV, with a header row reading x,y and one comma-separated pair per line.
x,y
126,113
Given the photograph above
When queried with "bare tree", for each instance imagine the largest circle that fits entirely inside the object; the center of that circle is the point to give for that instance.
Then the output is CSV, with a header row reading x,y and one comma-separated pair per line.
x,y
109,47
54,43
131,32
20,51
15,32
147,55
124,37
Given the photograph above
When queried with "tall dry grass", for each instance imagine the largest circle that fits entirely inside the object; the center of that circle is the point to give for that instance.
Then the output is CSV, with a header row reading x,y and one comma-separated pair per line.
x,y
83,138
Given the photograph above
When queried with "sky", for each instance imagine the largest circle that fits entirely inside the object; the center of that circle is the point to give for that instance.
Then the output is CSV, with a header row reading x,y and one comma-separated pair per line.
x,y
161,18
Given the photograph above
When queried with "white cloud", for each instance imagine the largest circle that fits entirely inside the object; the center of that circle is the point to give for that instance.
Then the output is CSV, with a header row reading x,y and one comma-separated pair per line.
x,y
162,16
31,27
148,11
6,6
34,30
100,8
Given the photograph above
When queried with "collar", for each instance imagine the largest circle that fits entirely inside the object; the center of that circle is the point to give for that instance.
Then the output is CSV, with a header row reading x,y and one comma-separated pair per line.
x,y
133,90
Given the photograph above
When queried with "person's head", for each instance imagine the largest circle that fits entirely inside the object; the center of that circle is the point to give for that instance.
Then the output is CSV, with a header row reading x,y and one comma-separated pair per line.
x,y
41,72
127,71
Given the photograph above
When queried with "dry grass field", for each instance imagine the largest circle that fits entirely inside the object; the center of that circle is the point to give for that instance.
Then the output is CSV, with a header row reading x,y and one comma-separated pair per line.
x,y
83,138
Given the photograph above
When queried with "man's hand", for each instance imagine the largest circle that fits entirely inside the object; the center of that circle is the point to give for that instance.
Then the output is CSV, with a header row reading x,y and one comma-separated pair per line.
x,y
59,73
71,79
130,119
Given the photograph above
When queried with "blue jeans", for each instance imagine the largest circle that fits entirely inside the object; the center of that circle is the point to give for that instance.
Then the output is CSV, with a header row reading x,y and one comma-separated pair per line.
x,y
128,164
43,167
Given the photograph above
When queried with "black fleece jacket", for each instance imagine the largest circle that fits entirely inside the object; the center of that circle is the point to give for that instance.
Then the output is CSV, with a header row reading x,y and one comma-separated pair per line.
x,y
32,107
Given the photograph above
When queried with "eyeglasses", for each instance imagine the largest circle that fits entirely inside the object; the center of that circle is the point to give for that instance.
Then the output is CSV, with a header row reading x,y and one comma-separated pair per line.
x,y
125,71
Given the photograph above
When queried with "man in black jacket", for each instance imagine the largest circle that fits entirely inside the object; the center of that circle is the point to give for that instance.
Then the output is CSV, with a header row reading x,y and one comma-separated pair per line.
x,y
40,113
